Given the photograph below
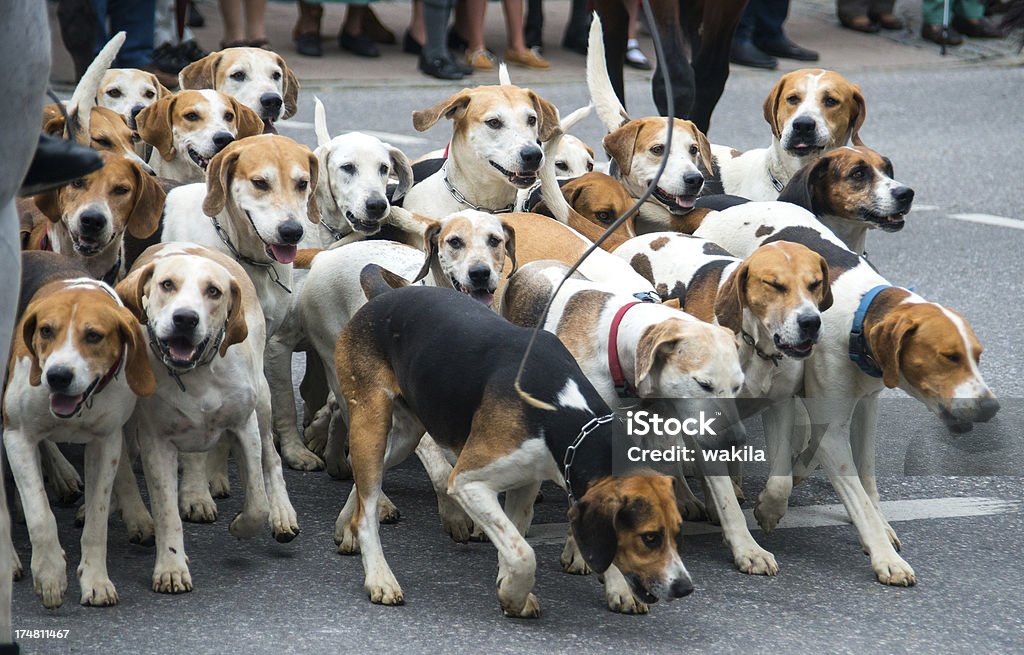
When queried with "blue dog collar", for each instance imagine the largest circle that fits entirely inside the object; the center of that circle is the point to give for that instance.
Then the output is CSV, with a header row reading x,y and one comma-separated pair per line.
x,y
860,352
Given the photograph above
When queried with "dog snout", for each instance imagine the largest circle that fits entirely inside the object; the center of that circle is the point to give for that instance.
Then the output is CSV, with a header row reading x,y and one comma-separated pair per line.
x,y
480,275
92,222
692,182
681,588
271,104
376,207
904,195
804,125
185,320
222,139
809,324
531,157
987,408
290,232
136,109
59,378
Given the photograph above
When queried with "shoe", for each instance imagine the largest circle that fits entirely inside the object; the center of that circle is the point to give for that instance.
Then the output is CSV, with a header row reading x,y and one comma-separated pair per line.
x,y
410,45
190,50
195,19
978,28
462,67
887,21
933,33
375,30
859,24
361,45
259,43
169,59
308,44
783,48
636,58
456,43
481,60
527,59
57,162
167,79
746,53
441,68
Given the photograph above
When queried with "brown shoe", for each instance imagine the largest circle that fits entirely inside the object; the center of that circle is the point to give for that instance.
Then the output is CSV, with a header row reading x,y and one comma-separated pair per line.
x,y
168,80
859,24
978,28
887,21
933,33
527,58
481,60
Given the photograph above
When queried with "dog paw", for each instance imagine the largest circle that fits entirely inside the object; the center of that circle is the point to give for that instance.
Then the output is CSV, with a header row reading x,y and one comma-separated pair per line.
x,y
172,581
338,468
625,603
529,610
769,510
893,539
384,590
387,513
220,486
297,457
315,434
98,593
895,572
454,520
67,484
141,530
284,524
693,510
197,509
347,542
49,578
756,561
572,561
17,570
247,526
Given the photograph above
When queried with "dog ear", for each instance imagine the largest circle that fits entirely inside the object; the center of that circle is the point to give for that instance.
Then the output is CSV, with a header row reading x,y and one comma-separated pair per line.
x,y
375,280
161,90
593,527
312,208
137,370
510,245
235,330
200,74
132,291
291,89
28,332
826,286
453,108
144,218
430,248
887,339
219,172
402,169
673,303
621,143
888,168
771,107
857,120
732,298
249,122
154,126
656,340
53,125
48,202
703,145
801,190
547,117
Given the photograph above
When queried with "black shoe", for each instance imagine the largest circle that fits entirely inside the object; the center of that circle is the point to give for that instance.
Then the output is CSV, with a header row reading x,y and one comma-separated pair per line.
x,y
746,53
456,43
169,59
783,48
933,33
463,67
979,28
195,19
358,45
56,163
190,50
410,46
441,68
308,44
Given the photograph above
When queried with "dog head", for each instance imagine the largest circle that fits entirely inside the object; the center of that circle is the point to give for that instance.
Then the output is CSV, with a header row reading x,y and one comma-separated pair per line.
x,y
356,168
852,183
574,158
266,183
97,209
191,304
258,78
600,199
813,110
638,147
78,337
932,353
468,250
128,91
499,129
634,523
108,131
785,286
681,357
196,125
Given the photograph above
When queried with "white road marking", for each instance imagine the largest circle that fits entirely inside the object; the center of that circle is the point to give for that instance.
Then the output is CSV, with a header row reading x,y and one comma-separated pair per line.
x,y
390,137
294,125
818,516
989,219
924,208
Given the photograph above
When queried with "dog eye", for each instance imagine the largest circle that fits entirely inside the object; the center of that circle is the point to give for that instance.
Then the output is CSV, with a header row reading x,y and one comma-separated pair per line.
x,y
228,116
493,241
135,137
260,184
493,123
150,94
603,216
814,286
45,332
793,99
192,117
302,185
384,170
238,76
348,168
167,285
706,386
92,336
858,173
114,93
781,288
657,149
103,142
561,165
455,243
829,101
276,76
953,357
531,121
79,183
120,190
213,292
590,166
652,540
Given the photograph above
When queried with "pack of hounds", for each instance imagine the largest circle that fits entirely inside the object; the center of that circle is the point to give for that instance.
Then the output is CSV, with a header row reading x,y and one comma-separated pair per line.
x,y
165,295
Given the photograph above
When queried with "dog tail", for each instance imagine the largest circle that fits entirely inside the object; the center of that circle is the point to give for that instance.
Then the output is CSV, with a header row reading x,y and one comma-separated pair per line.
x,y
304,257
375,280
550,191
533,401
503,77
323,137
84,98
573,119
609,109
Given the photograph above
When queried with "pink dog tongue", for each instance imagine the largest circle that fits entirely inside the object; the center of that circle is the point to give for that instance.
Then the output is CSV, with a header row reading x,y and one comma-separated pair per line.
x,y
63,405
181,350
283,254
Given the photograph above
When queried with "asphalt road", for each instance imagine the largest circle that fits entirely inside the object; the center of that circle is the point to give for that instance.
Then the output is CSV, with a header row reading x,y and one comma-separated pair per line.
x,y
955,138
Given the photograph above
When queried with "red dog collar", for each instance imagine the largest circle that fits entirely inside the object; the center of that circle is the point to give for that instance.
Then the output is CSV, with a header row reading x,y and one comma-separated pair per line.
x,y
622,387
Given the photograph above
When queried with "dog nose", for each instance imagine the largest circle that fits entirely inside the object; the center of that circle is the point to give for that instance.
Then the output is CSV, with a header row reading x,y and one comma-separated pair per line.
x,y
987,408
222,139
804,125
271,103
681,588
92,221
480,275
809,324
693,181
59,378
290,232
903,195
136,109
185,319
376,207
531,157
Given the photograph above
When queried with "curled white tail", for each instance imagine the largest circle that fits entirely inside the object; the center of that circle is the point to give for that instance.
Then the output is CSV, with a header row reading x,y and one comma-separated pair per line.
x,y
602,95
573,119
503,76
323,137
84,98
550,191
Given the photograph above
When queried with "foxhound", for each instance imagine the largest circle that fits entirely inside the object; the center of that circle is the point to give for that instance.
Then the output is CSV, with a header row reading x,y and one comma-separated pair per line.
x,y
128,91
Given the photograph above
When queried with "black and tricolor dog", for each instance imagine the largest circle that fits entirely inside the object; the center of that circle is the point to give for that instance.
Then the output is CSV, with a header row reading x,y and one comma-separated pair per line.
x,y
420,359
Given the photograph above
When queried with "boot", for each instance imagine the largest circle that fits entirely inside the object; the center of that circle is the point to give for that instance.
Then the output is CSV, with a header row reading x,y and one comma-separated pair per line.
x,y
306,33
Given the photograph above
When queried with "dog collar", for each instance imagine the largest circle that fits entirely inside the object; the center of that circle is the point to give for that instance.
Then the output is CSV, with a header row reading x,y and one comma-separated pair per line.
x,y
860,351
622,387
779,186
175,371
335,234
269,267
570,452
455,193
110,277
749,340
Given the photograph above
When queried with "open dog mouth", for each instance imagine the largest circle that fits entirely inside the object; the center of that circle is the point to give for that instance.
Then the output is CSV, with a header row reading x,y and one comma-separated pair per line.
x,y
281,253
88,246
675,204
796,351
366,227
197,159
889,223
522,180
640,590
64,405
481,295
803,148
181,352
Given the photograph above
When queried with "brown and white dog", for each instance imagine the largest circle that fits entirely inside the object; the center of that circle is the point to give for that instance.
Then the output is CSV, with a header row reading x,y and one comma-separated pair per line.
x,y
78,364
87,219
900,340
207,333
810,112
257,78
128,91
188,128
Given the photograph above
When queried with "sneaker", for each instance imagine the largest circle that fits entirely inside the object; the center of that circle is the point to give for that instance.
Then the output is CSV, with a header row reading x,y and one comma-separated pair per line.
x,y
481,60
527,59
635,57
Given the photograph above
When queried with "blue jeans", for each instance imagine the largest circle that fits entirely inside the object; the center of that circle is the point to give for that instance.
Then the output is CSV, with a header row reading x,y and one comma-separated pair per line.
x,y
136,19
762,21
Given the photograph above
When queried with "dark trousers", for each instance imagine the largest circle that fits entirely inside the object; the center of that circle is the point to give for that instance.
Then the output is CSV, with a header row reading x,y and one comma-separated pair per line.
x,y
762,21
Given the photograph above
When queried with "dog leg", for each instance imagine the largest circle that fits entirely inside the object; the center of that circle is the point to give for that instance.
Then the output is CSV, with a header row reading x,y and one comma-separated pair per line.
x,y
747,555
136,517
256,507
195,502
454,520
773,501
284,523
335,457
67,484
862,438
519,506
217,469
315,433
619,595
160,465
278,368
49,566
571,558
689,506
102,457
